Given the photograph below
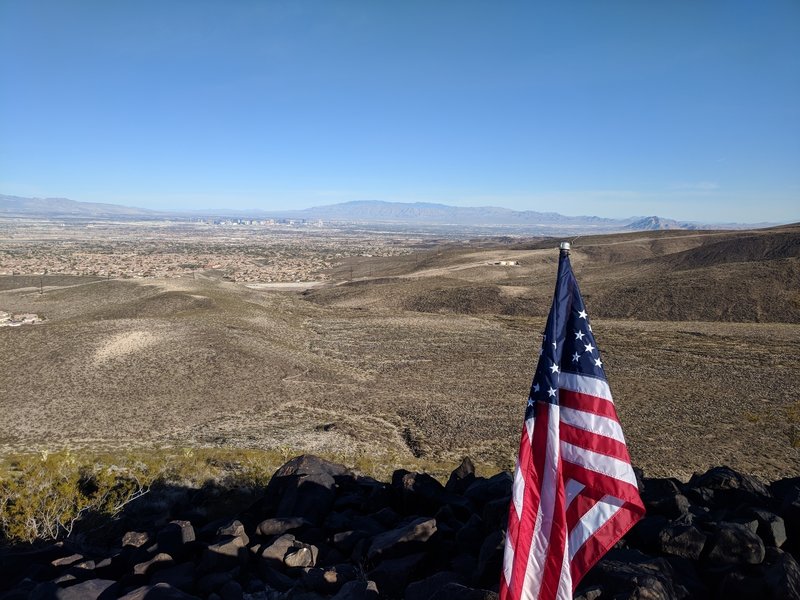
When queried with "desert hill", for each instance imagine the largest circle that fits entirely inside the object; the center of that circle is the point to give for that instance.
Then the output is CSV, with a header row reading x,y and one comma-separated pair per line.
x,y
645,276
427,354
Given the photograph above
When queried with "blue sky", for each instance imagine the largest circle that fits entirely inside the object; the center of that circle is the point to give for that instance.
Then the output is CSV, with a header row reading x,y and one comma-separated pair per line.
x,y
684,109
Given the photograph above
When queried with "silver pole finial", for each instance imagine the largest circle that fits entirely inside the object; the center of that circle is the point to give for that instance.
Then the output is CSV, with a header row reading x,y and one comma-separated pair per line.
x,y
564,246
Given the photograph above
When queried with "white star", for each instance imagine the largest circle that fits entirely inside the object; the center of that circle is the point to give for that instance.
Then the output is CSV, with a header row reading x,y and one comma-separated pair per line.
x,y
575,357
530,401
535,387
579,335
582,314
589,347
555,345
551,392
541,350
554,368
598,362
589,327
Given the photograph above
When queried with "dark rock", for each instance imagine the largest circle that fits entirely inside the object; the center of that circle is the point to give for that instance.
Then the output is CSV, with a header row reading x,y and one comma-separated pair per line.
x,y
465,564
739,585
347,540
681,540
231,591
461,477
771,528
425,588
214,581
470,537
357,590
722,486
630,574
136,539
180,576
330,580
403,540
782,575
159,591
175,537
495,513
674,507
591,593
66,561
303,487
224,555
233,528
93,589
490,558
483,490
456,591
280,525
421,494
394,574
276,551
159,561
735,544
301,556
387,517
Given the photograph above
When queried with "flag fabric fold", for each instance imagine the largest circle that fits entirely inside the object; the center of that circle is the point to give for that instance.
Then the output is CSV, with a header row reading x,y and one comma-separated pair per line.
x,y
575,493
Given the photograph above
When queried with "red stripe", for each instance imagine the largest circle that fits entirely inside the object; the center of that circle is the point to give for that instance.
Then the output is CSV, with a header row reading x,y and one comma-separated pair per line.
x,y
603,484
594,442
533,456
556,544
602,540
585,402
580,505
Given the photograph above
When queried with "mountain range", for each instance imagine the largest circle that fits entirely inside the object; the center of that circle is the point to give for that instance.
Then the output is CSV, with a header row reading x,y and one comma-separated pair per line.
x,y
363,212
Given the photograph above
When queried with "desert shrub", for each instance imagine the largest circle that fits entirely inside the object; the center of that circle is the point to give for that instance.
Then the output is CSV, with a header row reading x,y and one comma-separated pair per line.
x,y
49,496
44,497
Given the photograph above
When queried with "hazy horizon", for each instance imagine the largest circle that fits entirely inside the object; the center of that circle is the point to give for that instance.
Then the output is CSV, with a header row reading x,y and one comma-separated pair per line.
x,y
686,111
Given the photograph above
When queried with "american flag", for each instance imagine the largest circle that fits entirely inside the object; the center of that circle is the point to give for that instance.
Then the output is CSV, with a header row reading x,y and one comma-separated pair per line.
x,y
575,493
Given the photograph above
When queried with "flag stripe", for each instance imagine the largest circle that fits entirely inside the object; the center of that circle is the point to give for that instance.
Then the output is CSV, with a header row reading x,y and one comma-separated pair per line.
x,y
583,384
591,521
594,423
596,443
606,465
584,402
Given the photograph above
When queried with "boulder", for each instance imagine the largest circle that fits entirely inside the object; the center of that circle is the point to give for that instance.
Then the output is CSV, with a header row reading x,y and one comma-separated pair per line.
x,y
357,590
303,487
159,591
735,544
396,573
723,487
425,588
175,538
403,540
92,589
461,477
280,525
681,540
456,591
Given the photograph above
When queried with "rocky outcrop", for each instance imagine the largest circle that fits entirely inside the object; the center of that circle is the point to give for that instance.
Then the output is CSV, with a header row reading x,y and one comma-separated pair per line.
x,y
321,531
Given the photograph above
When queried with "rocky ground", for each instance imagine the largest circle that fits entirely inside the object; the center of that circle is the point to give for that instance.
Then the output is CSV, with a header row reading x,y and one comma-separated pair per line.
x,y
319,531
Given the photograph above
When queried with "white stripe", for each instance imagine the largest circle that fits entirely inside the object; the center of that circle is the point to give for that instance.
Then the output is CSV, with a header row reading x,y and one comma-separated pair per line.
x,y
508,559
591,521
600,463
571,489
544,517
592,422
529,423
565,581
518,491
583,384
